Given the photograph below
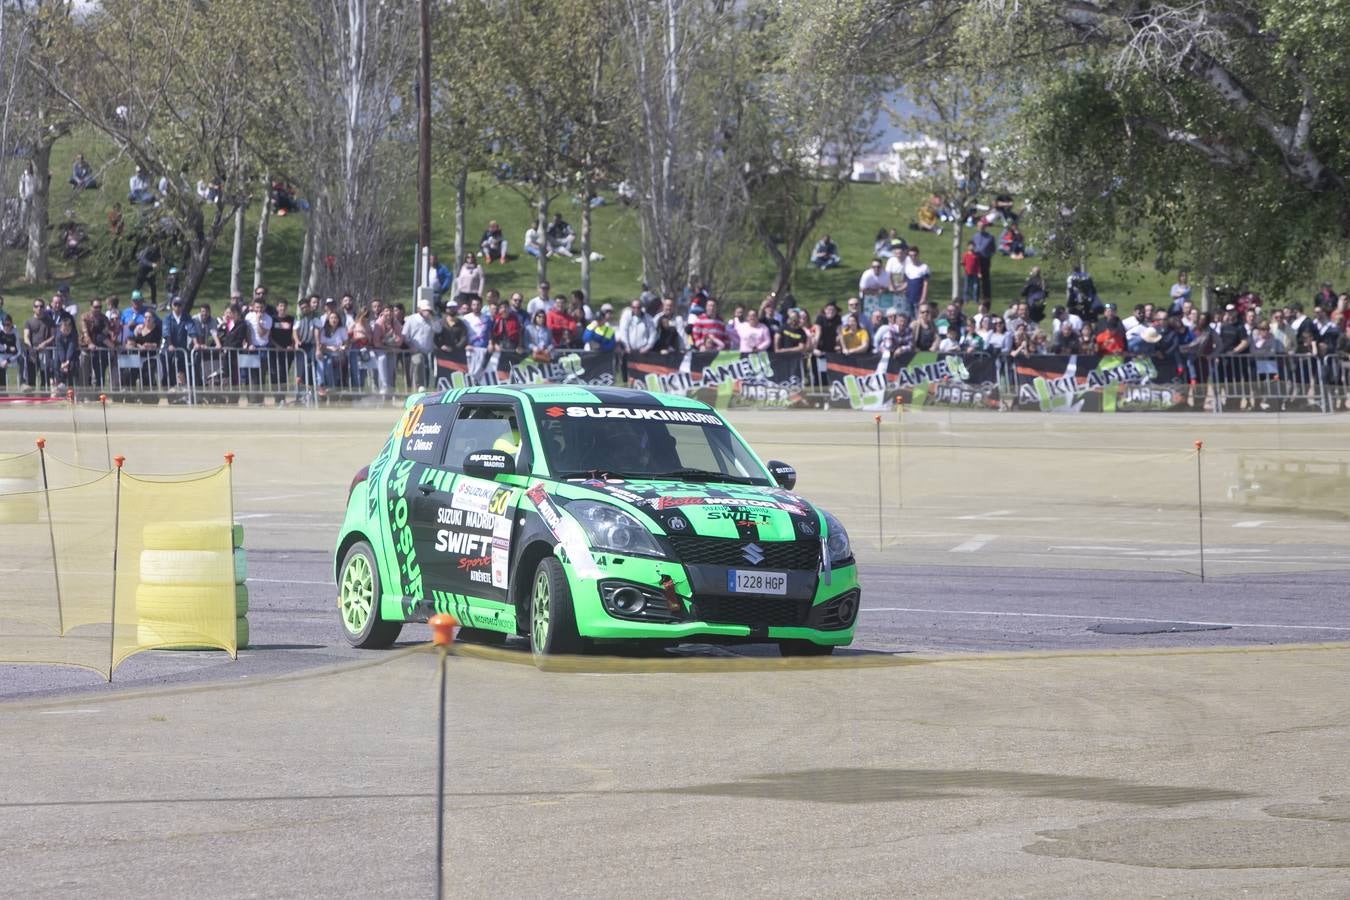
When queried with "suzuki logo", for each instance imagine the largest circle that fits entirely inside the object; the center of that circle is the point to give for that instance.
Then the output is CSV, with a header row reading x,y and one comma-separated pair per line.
x,y
554,412
753,554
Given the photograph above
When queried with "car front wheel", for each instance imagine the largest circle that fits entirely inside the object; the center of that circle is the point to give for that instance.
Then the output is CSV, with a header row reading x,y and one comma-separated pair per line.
x,y
553,624
359,601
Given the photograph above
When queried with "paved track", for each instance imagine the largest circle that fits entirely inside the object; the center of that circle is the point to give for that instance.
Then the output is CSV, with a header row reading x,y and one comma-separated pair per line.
x,y
984,737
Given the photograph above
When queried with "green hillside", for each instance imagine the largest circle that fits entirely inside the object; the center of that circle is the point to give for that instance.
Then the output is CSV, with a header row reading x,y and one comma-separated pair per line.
x,y
853,222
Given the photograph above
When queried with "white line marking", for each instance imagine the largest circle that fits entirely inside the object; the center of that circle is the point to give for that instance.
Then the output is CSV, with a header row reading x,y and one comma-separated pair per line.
x,y
275,496
989,515
1255,523
1030,615
254,515
975,543
68,712
287,581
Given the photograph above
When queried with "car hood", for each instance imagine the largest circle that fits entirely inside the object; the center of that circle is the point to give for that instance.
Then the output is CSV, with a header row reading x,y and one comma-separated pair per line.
x,y
740,511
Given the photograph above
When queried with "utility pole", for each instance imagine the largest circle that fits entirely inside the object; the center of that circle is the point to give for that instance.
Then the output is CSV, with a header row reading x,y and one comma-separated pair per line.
x,y
424,149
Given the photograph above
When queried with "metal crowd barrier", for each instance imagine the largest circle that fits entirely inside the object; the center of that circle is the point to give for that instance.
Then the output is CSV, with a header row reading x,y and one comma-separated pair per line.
x,y
357,373
228,375
146,374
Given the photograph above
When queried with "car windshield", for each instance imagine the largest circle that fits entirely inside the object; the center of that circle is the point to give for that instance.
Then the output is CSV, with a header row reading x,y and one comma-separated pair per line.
x,y
644,442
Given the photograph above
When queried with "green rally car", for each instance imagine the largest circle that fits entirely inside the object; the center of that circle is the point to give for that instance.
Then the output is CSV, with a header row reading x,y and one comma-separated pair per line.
x,y
579,516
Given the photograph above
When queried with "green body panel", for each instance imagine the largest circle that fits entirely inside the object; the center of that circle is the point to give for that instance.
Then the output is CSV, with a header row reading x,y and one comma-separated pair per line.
x,y
379,508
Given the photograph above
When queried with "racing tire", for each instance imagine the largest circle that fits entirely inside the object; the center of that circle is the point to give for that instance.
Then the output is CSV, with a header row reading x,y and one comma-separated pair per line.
x,y
169,601
240,565
189,535
804,648
171,636
552,619
483,636
182,567
359,601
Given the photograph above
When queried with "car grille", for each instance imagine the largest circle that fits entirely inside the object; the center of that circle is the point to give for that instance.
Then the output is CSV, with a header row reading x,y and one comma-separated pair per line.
x,y
778,612
708,551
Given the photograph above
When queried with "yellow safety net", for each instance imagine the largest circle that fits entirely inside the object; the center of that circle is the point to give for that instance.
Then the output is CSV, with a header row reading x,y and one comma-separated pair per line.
x,y
103,565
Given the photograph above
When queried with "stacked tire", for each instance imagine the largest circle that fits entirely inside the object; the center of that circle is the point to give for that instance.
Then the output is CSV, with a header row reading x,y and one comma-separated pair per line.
x,y
181,582
20,491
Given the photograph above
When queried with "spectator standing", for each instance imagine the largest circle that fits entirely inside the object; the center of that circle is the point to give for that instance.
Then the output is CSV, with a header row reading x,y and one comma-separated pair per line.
x,y
925,330
793,337
453,336
65,355
1325,298
281,348
562,326
9,348
538,339
895,274
180,336
476,324
577,305
147,269
1034,294
1180,291
419,334
985,247
707,331
874,282
330,352
885,337
916,280
493,244
539,302
998,341
254,365
637,330
98,343
1110,335
826,336
600,334
441,279
669,339
753,335
825,255
470,279
970,267
853,338
507,333
668,314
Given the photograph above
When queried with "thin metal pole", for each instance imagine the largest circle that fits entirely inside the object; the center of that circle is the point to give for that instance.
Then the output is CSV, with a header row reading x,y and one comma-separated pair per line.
x,y
900,452
881,527
51,533
424,133
1200,504
107,444
112,618
229,526
440,784
74,423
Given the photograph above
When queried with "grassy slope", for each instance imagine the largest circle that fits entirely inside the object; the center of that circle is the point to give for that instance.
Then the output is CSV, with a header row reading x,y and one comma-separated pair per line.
x,y
853,223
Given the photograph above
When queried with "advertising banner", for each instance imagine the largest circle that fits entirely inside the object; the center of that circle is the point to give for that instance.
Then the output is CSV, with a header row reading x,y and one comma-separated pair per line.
x,y
476,366
917,379
723,380
1071,384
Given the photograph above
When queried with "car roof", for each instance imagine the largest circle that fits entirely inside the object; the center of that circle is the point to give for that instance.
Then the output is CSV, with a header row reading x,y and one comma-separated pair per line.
x,y
581,393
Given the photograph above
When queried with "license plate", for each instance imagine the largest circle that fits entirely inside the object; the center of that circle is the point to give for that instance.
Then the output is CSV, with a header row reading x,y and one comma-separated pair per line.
x,y
749,581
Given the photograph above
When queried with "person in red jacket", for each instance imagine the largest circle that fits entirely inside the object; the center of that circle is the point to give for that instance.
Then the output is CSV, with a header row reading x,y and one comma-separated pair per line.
x,y
1110,337
562,327
970,264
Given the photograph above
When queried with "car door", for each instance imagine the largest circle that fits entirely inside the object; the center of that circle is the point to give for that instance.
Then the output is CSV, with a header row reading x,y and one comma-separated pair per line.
x,y
472,520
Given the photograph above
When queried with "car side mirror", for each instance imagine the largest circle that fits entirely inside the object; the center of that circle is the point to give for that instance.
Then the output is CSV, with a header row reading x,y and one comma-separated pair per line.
x,y
785,475
489,464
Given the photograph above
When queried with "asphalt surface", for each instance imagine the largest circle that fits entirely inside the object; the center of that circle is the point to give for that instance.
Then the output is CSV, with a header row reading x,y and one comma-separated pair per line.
x,y
1043,699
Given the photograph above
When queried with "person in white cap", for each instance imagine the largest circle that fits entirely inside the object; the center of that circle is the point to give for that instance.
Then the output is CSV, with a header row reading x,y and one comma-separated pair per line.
x,y
419,332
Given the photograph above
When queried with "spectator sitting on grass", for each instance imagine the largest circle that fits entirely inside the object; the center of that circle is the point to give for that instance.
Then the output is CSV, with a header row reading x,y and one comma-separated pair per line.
x,y
533,243
560,237
926,219
139,188
826,253
82,175
493,244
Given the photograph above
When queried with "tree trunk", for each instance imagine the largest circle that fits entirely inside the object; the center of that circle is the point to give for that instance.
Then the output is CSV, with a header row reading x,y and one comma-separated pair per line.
x,y
237,253
317,248
586,237
541,264
461,203
263,218
198,252
306,251
35,269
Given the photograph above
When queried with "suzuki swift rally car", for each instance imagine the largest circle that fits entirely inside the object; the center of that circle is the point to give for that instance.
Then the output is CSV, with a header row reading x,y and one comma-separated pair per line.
x,y
580,516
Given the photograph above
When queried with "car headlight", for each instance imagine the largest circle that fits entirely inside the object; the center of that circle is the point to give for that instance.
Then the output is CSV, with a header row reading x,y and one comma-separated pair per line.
x,y
612,529
836,539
